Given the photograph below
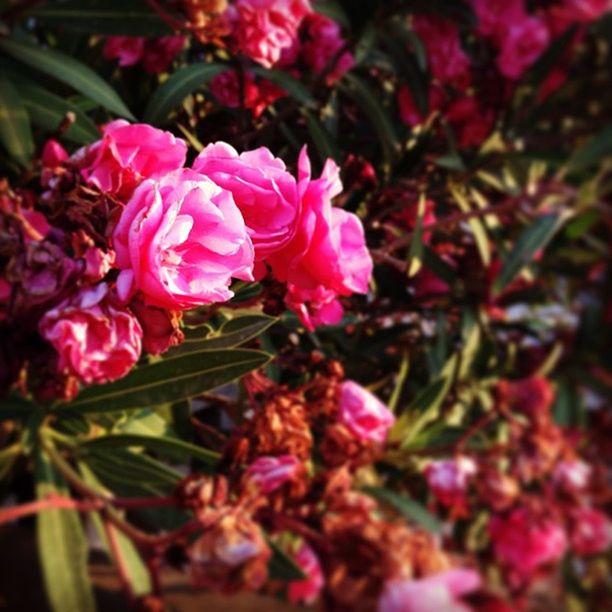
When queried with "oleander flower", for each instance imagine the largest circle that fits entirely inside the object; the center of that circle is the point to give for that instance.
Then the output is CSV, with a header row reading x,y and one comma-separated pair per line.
x,y
363,413
267,474
449,479
263,28
97,340
572,476
591,531
128,50
127,154
307,590
436,593
180,241
522,43
263,190
531,396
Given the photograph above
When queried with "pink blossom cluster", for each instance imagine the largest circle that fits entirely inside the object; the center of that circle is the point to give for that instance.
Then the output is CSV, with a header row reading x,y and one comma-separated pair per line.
x,y
174,238
154,54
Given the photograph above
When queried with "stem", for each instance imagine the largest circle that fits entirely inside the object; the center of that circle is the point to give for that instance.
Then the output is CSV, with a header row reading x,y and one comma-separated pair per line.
x,y
122,570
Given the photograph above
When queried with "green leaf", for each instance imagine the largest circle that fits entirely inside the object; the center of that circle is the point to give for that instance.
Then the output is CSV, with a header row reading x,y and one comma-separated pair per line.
x,y
533,238
62,546
375,113
231,334
169,380
407,507
333,10
476,225
48,110
287,83
67,70
15,407
281,566
177,87
15,132
108,17
590,154
415,252
323,141
173,448
8,456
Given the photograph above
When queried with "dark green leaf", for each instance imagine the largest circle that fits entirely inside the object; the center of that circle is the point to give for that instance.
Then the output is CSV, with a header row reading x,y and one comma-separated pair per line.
x,y
281,566
333,10
67,70
176,88
533,238
590,154
15,407
286,82
48,110
326,147
171,447
15,132
170,380
407,507
109,17
62,546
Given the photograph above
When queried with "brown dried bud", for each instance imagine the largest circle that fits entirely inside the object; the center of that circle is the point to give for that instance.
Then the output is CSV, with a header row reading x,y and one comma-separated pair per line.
x,y
340,446
161,327
203,492
231,555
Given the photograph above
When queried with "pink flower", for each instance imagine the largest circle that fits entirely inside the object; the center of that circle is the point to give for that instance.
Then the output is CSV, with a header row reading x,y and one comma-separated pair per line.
x,y
530,396
591,531
180,241
269,473
522,43
328,253
495,16
363,413
128,154
306,591
160,327
437,593
568,12
263,28
97,340
449,479
314,307
159,52
258,94
323,43
573,476
98,263
53,154
263,190
448,62
127,49
524,542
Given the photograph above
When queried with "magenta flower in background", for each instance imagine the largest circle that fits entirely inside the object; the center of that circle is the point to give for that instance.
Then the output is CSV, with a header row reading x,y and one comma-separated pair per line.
x,y
449,479
180,241
269,473
306,591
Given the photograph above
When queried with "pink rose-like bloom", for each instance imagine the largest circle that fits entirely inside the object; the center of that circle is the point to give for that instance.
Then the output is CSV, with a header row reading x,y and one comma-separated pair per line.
x,y
449,479
328,253
363,413
159,52
263,190
495,16
573,476
180,241
437,593
263,28
127,49
306,591
323,43
448,62
269,473
96,339
591,531
523,42
524,542
127,154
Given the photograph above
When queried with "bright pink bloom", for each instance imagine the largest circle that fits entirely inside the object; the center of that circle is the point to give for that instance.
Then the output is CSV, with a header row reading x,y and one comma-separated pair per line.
x,y
448,62
53,154
269,473
328,253
128,154
522,43
96,339
127,49
263,190
524,542
98,263
568,12
591,531
180,241
572,476
363,413
496,16
159,52
306,591
449,479
323,42
436,593
314,307
263,28
258,94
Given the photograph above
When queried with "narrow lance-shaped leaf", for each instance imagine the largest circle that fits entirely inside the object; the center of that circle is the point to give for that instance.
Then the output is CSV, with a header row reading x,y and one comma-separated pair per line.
x,y
177,87
62,546
15,132
322,139
286,82
169,380
67,70
480,234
